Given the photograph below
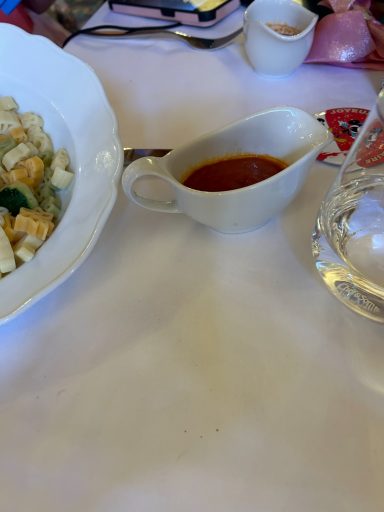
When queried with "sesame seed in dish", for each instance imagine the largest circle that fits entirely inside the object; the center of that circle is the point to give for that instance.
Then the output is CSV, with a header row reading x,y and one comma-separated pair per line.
x,y
283,29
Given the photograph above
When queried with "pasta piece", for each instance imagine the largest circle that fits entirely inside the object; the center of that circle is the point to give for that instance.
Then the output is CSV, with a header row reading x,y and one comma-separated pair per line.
x,y
18,174
32,148
31,241
60,159
8,103
8,120
23,253
34,223
35,169
52,205
8,227
7,258
3,211
45,190
18,134
46,157
20,152
30,119
39,138
61,178
6,144
26,247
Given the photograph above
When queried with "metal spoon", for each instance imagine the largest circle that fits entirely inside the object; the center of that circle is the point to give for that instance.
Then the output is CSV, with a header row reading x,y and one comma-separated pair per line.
x,y
202,43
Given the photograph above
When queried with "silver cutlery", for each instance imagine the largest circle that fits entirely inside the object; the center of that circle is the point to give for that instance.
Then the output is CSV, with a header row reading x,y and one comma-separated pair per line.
x,y
202,43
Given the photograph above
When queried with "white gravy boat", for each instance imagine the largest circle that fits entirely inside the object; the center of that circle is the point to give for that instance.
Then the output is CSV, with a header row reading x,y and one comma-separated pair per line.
x,y
286,133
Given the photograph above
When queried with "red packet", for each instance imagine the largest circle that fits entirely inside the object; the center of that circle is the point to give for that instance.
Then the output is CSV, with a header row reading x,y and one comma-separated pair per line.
x,y
344,124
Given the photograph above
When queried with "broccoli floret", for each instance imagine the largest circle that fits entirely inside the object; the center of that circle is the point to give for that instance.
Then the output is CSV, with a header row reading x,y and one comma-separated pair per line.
x,y
18,195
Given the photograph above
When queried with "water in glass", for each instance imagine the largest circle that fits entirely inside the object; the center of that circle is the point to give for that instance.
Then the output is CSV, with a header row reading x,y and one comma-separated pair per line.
x,y
348,239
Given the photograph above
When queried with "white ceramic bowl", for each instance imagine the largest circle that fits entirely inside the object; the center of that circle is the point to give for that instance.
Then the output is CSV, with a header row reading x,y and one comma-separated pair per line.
x,y
77,115
271,53
287,133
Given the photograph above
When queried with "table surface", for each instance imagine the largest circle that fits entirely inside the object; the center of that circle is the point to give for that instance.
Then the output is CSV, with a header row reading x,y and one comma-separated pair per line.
x,y
179,369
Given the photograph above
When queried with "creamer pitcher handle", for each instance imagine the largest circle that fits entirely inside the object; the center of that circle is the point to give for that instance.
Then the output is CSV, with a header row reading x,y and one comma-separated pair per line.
x,y
141,168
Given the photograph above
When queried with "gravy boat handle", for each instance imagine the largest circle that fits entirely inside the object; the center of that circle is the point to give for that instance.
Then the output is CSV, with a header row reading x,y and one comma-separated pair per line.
x,y
148,167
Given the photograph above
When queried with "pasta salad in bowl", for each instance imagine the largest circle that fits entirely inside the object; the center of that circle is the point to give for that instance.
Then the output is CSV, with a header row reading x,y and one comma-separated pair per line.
x,y
60,164
31,174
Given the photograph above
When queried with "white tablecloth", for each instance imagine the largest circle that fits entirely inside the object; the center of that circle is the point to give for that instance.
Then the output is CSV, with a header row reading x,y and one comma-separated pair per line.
x,y
180,370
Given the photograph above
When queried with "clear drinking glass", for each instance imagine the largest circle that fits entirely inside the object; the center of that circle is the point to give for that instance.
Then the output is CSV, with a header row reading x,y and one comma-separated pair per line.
x,y
348,239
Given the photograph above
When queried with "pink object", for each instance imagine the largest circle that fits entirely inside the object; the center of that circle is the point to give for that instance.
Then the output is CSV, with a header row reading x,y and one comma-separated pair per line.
x,y
350,37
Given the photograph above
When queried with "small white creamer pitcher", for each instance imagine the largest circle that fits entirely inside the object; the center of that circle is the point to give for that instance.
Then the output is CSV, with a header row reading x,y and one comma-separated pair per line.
x,y
273,53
